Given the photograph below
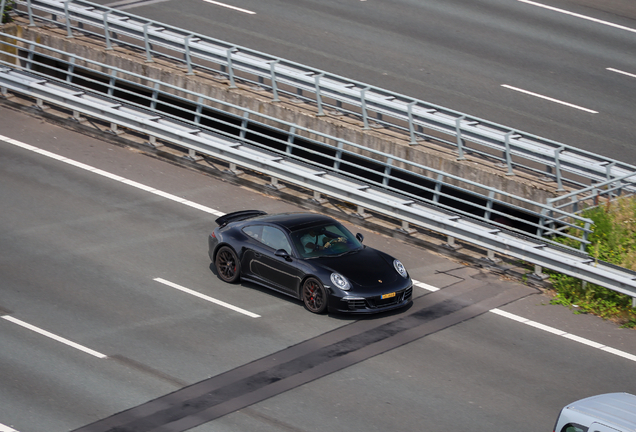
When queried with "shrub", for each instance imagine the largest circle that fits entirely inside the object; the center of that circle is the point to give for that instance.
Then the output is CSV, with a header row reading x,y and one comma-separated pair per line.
x,y
8,7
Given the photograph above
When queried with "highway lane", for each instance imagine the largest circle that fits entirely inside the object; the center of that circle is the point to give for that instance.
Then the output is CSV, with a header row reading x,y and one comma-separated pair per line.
x,y
457,54
79,256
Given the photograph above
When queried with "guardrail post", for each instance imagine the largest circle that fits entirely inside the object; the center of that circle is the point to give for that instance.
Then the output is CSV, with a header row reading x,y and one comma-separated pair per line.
x,y
276,185
336,162
115,130
318,199
30,11
272,67
155,95
230,69
450,243
187,54
69,33
30,57
1,10
244,124
109,47
363,103
197,117
557,164
586,234
387,172
542,219
491,196
290,140
71,68
575,205
538,273
490,256
508,156
318,95
111,83
411,125
460,140
361,214
406,229
438,188
147,44
234,170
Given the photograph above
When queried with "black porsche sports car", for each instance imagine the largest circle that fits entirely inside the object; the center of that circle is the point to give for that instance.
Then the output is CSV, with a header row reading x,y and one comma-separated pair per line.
x,y
310,257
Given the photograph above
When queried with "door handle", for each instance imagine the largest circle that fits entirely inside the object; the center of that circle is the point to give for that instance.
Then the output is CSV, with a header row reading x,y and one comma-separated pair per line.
x,y
257,255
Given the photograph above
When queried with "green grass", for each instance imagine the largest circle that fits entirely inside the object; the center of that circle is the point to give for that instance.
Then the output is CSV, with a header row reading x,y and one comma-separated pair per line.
x,y
613,241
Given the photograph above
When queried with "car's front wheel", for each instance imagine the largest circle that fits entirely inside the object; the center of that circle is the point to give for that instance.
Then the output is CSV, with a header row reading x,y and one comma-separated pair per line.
x,y
227,265
314,296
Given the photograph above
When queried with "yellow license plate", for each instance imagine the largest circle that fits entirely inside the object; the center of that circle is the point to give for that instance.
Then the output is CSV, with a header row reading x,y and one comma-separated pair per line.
x,y
386,296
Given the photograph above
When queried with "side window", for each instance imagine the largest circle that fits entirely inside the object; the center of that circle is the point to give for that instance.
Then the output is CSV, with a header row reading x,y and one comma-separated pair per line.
x,y
254,231
275,238
573,427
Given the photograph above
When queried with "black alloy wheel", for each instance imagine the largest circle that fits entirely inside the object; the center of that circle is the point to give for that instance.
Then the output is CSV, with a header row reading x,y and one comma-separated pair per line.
x,y
227,265
314,296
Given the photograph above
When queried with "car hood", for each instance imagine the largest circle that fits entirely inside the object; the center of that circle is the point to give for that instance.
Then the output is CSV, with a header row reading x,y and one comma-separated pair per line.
x,y
366,267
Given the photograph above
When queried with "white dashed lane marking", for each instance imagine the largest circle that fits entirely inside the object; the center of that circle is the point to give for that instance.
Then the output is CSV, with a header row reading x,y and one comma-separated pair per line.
x,y
249,12
54,337
207,298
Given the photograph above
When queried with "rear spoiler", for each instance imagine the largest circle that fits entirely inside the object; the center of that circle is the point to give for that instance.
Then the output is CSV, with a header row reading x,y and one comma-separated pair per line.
x,y
238,215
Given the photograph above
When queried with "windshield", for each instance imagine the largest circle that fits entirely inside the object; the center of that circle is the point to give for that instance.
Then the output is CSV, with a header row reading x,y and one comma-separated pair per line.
x,y
325,240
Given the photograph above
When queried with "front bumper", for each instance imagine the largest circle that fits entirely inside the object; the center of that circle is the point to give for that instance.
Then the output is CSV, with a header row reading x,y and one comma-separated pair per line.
x,y
352,303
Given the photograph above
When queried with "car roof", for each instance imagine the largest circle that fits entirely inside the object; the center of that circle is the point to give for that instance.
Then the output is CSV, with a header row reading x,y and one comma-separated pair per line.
x,y
293,221
612,408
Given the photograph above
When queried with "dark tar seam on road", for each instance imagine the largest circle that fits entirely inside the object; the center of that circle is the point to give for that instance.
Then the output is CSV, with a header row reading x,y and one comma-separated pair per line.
x,y
212,398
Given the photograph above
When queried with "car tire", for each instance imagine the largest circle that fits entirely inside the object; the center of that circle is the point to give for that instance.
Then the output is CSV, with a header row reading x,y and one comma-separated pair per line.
x,y
314,296
227,265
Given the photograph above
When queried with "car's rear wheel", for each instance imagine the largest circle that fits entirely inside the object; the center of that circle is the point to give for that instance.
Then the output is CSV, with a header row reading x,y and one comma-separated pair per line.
x,y
314,296
227,265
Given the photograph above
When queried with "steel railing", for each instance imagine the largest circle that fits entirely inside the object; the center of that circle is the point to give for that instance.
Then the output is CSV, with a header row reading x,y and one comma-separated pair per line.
x,y
45,89
320,181
419,120
393,174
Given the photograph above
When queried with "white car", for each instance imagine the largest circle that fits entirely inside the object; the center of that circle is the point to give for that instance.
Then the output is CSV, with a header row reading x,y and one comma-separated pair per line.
x,y
611,412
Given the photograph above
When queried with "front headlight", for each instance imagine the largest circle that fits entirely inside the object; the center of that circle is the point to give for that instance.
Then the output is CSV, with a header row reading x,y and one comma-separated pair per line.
x,y
340,281
399,267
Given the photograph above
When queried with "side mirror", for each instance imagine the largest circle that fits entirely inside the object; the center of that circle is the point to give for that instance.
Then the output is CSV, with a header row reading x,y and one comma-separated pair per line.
x,y
360,237
282,253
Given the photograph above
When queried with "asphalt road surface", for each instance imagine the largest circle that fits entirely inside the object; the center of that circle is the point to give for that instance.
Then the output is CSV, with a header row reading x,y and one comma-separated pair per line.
x,y
112,318
561,69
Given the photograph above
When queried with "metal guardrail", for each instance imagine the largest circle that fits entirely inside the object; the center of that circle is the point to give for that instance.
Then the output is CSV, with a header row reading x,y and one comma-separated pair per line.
x,y
371,198
419,120
45,90
396,175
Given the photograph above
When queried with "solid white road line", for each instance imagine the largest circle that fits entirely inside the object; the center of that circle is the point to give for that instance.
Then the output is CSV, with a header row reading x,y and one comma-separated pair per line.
x,y
207,209
207,298
52,336
570,336
424,285
4,428
230,7
549,98
545,328
622,72
563,11
111,176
